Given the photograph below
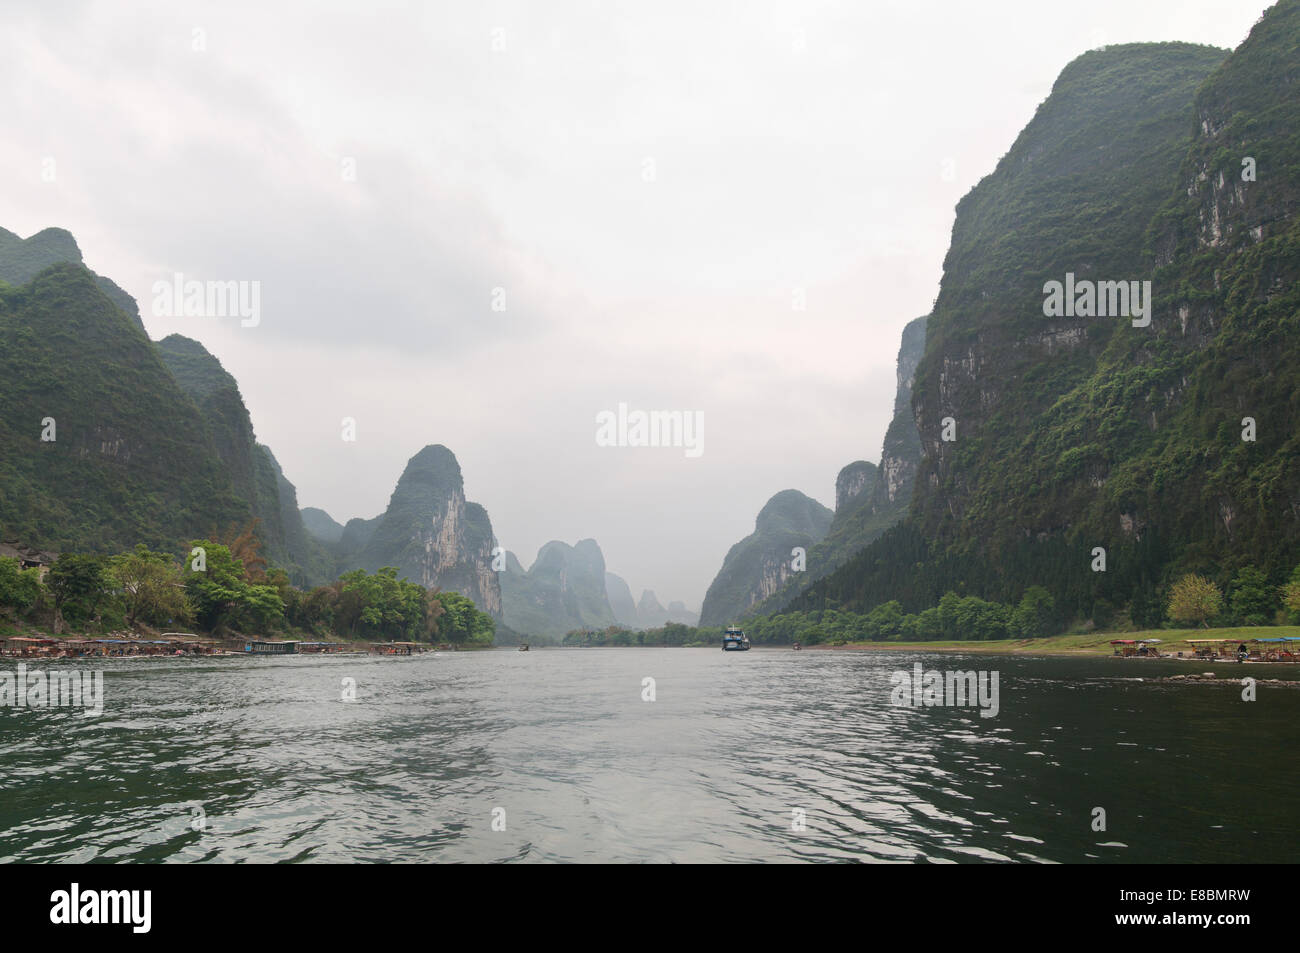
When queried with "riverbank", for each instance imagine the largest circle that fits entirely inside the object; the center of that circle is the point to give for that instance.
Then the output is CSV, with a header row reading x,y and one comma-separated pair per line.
x,y
18,640
1172,641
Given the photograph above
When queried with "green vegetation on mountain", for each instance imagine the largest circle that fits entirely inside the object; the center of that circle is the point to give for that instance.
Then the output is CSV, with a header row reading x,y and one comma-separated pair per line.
x,y
152,445
430,533
763,561
227,591
868,498
1075,435
21,260
254,471
130,460
321,525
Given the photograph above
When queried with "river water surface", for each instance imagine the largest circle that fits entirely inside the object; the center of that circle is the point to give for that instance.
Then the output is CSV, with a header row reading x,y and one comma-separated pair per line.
x,y
768,755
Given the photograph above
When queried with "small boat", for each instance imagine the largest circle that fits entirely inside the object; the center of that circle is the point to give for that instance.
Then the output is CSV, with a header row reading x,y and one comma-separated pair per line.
x,y
735,640
797,646
523,647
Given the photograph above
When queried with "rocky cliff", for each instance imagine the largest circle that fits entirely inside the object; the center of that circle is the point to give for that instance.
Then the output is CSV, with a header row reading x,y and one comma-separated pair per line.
x,y
763,562
255,473
853,483
430,533
1049,432
900,454
868,498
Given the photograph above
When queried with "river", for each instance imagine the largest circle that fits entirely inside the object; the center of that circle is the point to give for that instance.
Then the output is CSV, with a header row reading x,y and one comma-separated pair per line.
x,y
557,755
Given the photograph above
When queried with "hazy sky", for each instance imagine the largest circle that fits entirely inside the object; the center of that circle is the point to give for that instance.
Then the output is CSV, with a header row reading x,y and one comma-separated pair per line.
x,y
651,184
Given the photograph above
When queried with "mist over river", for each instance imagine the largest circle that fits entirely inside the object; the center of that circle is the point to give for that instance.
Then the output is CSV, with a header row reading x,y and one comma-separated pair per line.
x,y
261,759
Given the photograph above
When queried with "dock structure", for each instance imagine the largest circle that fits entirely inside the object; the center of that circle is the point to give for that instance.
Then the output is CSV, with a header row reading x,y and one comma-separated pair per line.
x,y
71,648
23,646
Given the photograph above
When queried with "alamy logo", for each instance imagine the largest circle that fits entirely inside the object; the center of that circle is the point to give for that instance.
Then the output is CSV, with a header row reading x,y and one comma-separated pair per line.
x,y
946,689
61,689
179,298
103,906
654,428
1098,299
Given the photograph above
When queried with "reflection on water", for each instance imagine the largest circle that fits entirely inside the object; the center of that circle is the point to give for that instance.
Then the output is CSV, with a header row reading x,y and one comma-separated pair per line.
x,y
260,760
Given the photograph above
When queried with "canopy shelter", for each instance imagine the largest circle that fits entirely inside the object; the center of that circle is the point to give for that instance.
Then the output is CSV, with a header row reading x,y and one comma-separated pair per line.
x,y
98,648
1214,648
1280,648
1143,647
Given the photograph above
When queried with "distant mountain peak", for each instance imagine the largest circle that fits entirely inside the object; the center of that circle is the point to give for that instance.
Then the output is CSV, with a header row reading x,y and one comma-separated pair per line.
x,y
563,590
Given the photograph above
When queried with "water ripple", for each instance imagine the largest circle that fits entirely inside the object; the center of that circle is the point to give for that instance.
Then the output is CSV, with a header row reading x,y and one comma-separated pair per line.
x,y
553,756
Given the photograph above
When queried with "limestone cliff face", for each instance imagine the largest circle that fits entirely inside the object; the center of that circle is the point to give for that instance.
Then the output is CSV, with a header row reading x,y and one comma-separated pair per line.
x,y
1225,336
563,591
889,485
432,534
900,455
852,481
761,563
990,387
1167,163
868,498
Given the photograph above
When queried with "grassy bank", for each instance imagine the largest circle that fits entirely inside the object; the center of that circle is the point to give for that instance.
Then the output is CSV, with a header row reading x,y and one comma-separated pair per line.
x,y
1173,641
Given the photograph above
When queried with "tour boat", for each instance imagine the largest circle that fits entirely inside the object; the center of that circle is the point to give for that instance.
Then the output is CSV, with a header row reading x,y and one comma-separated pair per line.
x,y
735,640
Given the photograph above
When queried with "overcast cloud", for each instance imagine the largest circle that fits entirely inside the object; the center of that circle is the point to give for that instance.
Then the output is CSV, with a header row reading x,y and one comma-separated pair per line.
x,y
814,146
